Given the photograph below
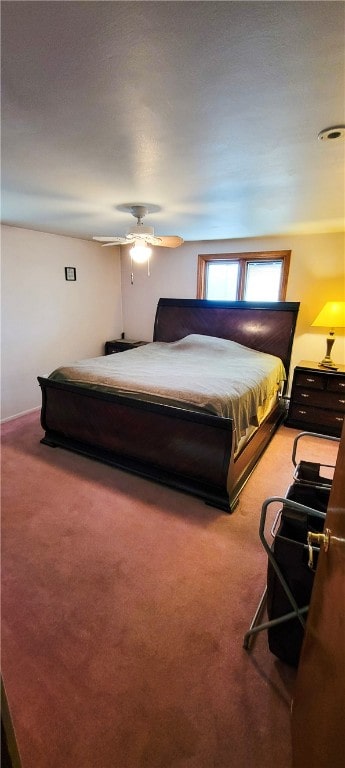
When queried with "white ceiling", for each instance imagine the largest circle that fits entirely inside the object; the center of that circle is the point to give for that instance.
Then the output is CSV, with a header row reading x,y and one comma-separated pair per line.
x,y
207,111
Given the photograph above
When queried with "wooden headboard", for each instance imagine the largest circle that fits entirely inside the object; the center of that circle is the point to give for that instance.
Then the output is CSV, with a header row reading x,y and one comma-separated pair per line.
x,y
266,326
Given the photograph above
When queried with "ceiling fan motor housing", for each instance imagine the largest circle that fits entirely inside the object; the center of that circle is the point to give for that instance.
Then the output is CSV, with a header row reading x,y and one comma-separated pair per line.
x,y
140,231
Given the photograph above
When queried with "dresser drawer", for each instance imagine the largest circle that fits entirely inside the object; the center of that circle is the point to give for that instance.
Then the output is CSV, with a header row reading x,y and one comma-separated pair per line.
x,y
310,380
121,346
324,399
315,417
336,384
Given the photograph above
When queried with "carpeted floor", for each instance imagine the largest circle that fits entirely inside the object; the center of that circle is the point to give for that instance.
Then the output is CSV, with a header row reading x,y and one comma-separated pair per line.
x,y
124,606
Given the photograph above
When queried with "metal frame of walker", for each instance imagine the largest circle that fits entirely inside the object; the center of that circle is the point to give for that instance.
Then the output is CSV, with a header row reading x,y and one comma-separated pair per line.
x,y
296,612
320,482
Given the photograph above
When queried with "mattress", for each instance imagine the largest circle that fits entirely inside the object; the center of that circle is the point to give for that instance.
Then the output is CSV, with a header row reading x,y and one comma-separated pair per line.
x,y
202,373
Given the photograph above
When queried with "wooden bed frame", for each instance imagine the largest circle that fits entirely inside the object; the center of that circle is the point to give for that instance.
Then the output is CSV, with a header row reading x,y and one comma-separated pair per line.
x,y
187,450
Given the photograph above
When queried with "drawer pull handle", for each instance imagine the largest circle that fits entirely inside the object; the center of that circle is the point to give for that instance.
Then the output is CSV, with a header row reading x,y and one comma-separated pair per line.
x,y
304,413
341,384
339,418
311,381
304,395
341,401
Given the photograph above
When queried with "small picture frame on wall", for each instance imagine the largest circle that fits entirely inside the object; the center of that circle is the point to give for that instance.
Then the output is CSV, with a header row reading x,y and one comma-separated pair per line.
x,y
70,273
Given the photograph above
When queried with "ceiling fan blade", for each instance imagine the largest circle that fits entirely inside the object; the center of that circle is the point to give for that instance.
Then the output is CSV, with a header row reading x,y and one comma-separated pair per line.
x,y
106,245
170,241
104,239
112,240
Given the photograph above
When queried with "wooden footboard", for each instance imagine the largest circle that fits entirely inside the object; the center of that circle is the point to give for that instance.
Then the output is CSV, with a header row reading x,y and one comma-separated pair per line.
x,y
184,449
187,450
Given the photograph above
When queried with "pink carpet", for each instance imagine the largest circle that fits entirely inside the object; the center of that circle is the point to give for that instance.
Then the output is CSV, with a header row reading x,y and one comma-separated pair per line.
x,y
124,606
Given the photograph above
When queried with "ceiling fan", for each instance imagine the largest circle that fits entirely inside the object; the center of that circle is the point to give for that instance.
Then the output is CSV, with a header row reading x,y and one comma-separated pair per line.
x,y
140,234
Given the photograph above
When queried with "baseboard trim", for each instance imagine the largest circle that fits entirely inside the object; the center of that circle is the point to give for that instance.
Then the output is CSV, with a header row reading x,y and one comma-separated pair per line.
x,y
18,415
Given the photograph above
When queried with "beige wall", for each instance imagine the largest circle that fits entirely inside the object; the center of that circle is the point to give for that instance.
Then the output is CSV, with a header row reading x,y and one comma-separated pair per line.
x,y
47,320
316,275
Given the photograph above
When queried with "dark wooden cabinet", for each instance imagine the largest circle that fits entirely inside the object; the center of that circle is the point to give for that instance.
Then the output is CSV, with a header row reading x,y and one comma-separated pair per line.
x,y
120,345
317,400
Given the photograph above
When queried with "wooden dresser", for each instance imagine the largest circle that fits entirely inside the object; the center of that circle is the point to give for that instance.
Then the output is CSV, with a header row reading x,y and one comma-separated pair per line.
x,y
317,400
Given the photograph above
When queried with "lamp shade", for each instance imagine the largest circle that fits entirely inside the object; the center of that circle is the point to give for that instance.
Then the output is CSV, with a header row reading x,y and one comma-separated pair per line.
x,y
332,315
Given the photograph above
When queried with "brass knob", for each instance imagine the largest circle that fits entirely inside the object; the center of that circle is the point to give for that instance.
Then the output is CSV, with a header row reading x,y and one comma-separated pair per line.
x,y
316,539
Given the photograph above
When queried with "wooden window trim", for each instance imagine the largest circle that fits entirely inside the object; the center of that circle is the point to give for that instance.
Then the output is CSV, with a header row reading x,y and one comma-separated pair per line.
x,y
243,258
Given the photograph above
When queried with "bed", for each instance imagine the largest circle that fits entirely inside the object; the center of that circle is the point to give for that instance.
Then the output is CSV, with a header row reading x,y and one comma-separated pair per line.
x,y
181,429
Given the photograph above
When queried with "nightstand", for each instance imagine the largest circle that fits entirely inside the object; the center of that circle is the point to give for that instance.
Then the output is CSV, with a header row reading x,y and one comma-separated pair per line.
x,y
120,345
317,402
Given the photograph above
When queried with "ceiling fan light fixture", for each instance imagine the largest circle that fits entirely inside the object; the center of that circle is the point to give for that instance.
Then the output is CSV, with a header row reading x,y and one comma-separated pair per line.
x,y
140,252
142,237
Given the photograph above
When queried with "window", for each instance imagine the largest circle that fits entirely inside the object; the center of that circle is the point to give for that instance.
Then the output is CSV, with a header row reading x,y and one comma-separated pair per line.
x,y
243,276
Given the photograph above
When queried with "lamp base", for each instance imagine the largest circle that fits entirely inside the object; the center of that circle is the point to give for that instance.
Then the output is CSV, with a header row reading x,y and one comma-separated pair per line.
x,y
327,361
328,364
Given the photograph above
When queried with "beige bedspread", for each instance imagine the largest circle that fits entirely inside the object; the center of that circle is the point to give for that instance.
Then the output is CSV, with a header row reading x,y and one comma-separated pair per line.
x,y
198,372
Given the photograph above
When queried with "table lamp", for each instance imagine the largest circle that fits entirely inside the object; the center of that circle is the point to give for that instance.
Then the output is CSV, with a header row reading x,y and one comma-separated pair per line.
x,y
331,316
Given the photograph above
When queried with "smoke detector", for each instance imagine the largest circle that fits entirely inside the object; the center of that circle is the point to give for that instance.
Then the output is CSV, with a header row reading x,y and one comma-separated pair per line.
x,y
337,133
